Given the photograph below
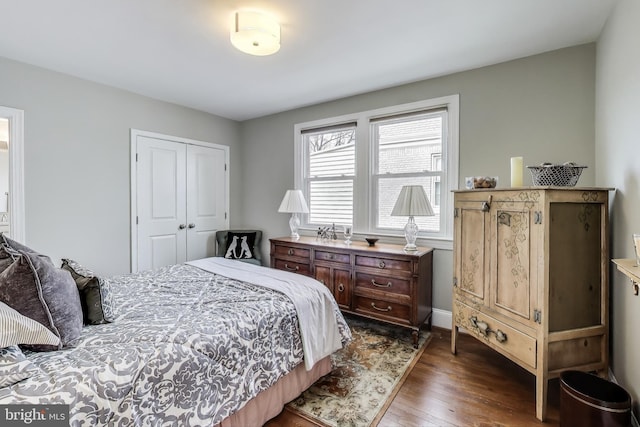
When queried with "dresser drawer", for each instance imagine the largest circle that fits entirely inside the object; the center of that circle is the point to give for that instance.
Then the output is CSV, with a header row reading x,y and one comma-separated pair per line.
x,y
295,267
333,257
383,263
499,335
383,283
290,251
382,309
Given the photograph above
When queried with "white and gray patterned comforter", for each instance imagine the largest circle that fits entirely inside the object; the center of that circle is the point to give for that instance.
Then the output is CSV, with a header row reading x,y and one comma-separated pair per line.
x,y
187,348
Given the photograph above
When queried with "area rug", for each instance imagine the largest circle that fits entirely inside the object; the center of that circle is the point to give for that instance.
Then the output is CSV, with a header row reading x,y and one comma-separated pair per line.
x,y
366,377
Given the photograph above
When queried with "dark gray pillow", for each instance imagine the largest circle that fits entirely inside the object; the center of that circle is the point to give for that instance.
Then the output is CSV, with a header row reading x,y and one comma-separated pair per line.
x,y
95,293
32,286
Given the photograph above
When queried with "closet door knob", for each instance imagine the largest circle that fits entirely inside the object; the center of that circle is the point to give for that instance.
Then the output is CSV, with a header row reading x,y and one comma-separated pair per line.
x,y
182,226
192,225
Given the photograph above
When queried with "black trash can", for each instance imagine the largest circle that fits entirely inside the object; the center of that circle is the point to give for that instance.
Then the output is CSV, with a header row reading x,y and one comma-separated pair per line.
x,y
587,400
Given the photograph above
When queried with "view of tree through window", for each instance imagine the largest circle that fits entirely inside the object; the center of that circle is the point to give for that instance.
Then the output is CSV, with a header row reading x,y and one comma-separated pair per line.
x,y
330,175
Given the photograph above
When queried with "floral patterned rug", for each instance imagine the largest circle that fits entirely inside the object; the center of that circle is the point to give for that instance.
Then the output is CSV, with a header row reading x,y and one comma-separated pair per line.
x,y
366,376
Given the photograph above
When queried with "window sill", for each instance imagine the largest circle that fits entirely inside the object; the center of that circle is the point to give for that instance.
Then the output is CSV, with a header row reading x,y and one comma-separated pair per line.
x,y
443,243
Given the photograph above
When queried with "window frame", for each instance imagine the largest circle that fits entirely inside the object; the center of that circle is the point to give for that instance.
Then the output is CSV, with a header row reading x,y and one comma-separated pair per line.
x,y
364,219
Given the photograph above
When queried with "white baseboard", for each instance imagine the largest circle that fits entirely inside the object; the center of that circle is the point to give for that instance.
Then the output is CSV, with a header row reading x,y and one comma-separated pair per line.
x,y
441,318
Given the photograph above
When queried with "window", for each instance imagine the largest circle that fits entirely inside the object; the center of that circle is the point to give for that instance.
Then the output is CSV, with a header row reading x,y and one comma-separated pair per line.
x,y
330,172
352,168
406,149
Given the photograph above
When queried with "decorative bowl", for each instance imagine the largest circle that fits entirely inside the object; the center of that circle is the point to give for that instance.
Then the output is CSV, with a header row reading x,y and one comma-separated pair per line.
x,y
371,240
472,182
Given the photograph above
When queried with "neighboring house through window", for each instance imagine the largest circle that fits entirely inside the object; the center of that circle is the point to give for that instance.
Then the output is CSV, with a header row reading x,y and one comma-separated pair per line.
x,y
351,168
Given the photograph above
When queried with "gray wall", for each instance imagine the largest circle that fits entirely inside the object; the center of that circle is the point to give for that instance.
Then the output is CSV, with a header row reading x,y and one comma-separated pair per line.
x,y
618,165
77,186
540,107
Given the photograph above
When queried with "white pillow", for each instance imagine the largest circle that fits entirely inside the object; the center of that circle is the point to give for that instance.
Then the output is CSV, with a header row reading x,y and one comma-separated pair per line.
x,y
18,329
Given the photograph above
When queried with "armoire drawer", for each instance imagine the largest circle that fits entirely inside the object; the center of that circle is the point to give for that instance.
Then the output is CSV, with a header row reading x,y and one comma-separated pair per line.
x,y
498,334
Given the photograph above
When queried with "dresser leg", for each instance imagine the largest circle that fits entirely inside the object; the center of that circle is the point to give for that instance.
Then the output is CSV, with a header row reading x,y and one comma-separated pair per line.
x,y
416,335
454,338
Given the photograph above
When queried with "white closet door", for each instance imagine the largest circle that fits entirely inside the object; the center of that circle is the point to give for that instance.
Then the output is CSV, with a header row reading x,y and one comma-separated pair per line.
x,y
161,203
206,198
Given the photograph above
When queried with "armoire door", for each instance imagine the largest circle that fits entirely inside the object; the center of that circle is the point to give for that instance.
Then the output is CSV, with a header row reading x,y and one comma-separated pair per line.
x,y
180,201
515,236
471,263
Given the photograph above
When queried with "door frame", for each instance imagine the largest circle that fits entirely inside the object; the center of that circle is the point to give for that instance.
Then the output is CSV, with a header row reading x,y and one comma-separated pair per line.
x,y
134,134
16,171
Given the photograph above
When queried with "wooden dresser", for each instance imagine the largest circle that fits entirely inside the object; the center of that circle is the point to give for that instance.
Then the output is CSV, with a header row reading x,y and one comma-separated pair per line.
x,y
531,277
380,282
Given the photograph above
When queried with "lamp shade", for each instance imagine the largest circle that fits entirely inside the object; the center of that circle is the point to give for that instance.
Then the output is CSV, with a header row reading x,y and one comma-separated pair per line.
x,y
412,201
293,202
255,33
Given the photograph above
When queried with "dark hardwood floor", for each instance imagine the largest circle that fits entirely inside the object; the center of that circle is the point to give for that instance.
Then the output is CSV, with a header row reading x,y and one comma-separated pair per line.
x,y
477,387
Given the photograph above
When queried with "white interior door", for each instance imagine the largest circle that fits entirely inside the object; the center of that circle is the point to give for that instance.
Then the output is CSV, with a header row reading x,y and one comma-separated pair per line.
x,y
161,203
206,198
179,199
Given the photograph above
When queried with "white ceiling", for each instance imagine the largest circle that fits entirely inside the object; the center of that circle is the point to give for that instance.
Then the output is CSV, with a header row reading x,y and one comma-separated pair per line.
x,y
179,50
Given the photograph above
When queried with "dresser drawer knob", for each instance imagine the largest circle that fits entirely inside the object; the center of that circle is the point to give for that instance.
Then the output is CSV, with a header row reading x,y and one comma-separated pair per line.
x,y
290,251
332,256
296,268
381,264
380,285
340,287
373,304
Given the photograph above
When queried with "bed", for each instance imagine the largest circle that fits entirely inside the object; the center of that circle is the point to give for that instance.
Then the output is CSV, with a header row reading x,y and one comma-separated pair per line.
x,y
207,343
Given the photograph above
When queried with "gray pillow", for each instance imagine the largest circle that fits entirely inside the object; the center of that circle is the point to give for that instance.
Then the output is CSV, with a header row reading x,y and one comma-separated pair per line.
x,y
4,239
95,293
35,288
6,260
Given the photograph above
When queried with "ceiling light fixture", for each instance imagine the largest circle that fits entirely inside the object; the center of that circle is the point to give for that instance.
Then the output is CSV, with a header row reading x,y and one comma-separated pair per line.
x,y
255,33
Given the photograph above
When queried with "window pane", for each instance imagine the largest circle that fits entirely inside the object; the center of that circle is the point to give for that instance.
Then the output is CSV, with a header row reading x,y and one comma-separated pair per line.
x,y
331,153
410,144
331,202
388,192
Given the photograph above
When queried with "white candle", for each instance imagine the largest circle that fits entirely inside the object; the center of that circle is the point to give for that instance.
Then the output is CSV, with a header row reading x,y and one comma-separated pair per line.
x,y
516,171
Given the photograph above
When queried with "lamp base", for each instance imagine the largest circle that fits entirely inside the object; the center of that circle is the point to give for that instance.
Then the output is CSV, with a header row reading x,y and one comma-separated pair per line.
x,y
410,247
411,234
294,223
